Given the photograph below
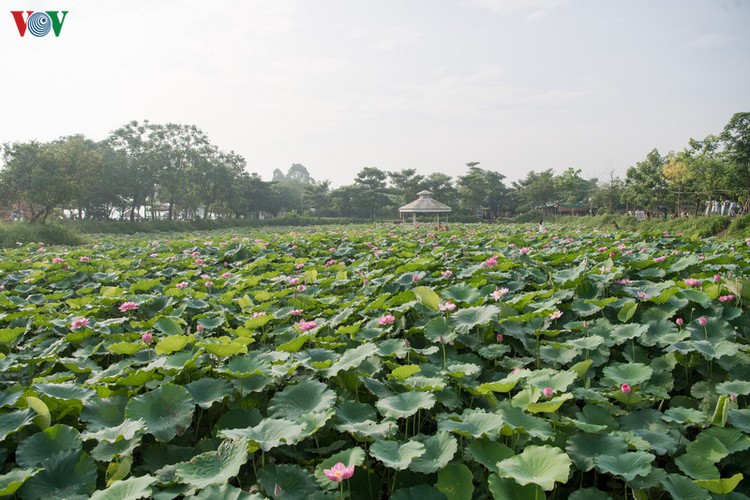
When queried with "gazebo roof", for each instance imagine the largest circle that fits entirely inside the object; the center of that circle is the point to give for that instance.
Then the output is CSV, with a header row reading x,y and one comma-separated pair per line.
x,y
425,204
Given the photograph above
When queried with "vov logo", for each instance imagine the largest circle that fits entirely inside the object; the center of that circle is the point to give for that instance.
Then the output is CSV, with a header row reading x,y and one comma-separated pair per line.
x,y
39,23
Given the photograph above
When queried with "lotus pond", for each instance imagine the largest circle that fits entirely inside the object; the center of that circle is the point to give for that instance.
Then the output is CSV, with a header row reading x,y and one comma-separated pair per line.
x,y
474,362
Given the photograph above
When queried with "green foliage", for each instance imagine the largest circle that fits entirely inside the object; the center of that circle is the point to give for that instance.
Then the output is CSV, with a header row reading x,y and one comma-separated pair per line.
x,y
571,384
12,233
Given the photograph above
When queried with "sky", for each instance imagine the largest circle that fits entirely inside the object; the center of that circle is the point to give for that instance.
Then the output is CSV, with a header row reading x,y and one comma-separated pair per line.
x,y
339,85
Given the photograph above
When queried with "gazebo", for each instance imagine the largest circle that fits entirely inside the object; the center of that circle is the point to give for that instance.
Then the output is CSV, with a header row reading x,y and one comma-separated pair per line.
x,y
424,205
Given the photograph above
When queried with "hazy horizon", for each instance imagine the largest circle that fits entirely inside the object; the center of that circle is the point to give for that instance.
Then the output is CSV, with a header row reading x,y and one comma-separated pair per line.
x,y
339,85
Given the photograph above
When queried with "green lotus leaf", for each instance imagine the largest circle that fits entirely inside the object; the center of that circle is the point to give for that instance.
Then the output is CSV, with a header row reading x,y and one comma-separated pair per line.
x,y
549,406
207,391
558,381
13,480
8,335
420,492
686,416
132,488
394,455
732,439
583,448
225,492
720,486
12,422
43,417
360,419
627,311
125,348
439,451
167,411
628,373
211,324
739,419
65,392
462,293
352,358
456,482
427,297
540,465
172,343
351,457
736,387
292,480
309,396
626,465
464,320
437,330
214,467
222,347
65,474
683,488
126,430
515,420
697,467
33,450
168,326
269,434
405,404
9,398
506,384
404,372
474,423
488,453
506,489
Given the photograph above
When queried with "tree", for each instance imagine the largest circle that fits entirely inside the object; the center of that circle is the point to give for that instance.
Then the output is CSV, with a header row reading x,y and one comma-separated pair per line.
x,y
442,188
646,186
405,185
136,142
373,194
736,139
50,175
536,190
480,188
572,188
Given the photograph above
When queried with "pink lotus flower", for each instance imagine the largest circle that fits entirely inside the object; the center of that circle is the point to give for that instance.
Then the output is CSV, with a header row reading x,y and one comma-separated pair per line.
x,y
209,284
147,338
703,321
659,259
84,259
643,295
339,472
182,285
301,288
491,262
128,306
447,274
557,314
226,275
692,282
78,323
299,266
415,278
717,278
57,260
199,262
200,327
524,250
548,392
625,389
2,287
447,306
388,319
499,337
259,314
307,325
205,276
499,293
296,312
726,298
679,321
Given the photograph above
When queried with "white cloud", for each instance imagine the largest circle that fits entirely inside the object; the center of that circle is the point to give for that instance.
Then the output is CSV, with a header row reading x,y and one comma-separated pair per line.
x,y
538,8
397,37
710,41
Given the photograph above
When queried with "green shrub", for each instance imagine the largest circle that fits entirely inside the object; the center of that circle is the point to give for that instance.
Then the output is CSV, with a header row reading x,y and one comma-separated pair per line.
x,y
740,227
49,234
